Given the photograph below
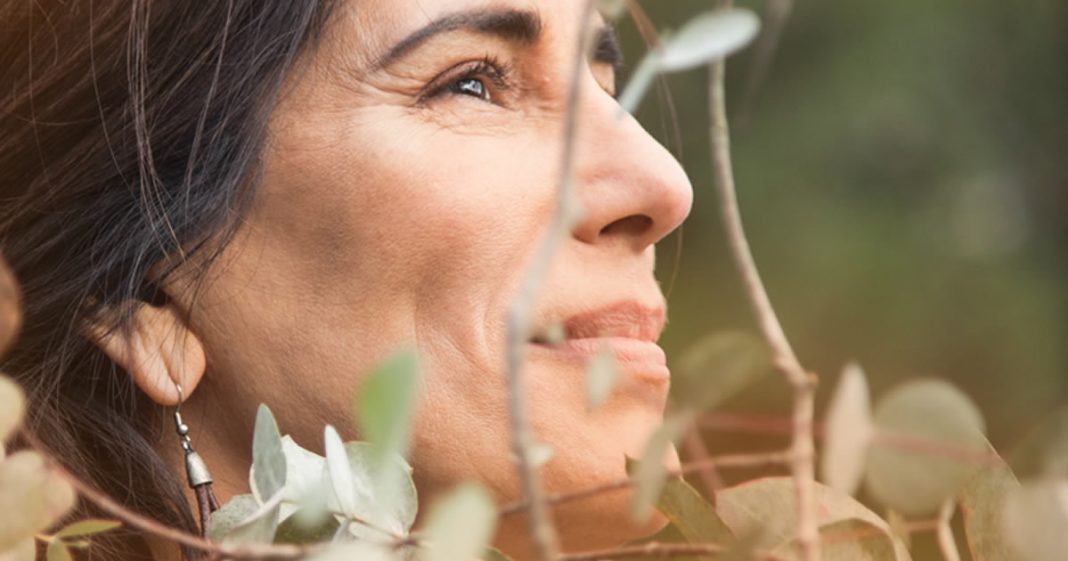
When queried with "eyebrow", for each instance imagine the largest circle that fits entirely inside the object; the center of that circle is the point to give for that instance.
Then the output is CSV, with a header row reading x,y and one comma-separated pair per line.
x,y
519,26
513,25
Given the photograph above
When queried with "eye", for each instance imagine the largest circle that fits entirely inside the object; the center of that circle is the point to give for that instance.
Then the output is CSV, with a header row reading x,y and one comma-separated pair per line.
x,y
473,87
484,80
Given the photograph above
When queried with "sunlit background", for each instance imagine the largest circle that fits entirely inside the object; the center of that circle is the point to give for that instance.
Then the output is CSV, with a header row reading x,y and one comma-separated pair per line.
x,y
903,175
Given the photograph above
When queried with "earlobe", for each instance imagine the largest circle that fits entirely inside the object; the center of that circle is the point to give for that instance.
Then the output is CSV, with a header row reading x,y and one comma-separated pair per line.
x,y
158,351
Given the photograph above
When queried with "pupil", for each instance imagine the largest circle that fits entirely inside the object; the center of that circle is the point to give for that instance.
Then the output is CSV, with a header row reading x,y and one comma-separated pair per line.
x,y
471,86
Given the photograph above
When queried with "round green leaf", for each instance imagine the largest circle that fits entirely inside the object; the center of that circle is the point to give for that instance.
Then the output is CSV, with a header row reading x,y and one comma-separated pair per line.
x,y
708,37
459,525
766,508
11,406
391,508
1035,520
87,528
716,368
929,438
982,502
268,472
847,432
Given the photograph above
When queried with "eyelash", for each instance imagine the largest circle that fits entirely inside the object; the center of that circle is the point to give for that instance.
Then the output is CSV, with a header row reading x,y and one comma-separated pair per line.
x,y
495,77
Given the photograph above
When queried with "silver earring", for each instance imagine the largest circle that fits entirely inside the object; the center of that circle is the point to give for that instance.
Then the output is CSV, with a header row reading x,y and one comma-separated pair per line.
x,y
196,470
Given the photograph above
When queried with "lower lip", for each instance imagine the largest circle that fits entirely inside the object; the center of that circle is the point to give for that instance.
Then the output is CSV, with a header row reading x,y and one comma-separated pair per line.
x,y
643,359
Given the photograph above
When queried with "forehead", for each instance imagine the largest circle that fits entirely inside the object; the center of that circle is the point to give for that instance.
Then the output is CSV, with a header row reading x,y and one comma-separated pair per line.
x,y
363,30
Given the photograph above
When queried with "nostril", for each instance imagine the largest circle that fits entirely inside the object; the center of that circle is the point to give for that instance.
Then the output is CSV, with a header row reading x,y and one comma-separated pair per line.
x,y
635,225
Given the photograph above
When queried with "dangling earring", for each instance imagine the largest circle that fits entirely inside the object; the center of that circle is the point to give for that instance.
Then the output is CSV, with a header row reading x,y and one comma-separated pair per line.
x,y
196,470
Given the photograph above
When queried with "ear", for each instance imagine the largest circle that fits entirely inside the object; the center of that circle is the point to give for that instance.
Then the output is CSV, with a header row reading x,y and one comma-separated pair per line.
x,y
158,351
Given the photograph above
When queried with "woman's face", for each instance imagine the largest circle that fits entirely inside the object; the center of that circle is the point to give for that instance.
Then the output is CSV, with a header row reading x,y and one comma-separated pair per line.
x,y
410,172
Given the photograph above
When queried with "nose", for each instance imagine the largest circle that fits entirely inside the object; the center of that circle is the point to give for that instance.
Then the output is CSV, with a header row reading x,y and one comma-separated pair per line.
x,y
633,191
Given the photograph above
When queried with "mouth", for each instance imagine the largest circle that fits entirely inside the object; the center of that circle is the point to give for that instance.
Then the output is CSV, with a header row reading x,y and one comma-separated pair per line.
x,y
628,330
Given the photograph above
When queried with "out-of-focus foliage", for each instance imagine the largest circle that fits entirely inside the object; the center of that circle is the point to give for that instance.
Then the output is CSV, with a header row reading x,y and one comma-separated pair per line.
x,y
901,173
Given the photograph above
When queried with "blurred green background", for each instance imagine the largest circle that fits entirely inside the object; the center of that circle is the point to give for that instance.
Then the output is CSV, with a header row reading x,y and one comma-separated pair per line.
x,y
902,174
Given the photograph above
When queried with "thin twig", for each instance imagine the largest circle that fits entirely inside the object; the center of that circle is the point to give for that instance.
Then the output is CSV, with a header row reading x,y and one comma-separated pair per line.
x,y
662,551
695,448
759,460
150,526
543,533
802,383
946,542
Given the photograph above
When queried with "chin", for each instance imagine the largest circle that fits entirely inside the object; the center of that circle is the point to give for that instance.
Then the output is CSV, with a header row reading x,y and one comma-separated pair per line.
x,y
599,522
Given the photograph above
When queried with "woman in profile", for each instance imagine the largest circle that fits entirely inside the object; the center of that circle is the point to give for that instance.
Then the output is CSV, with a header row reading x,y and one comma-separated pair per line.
x,y
259,200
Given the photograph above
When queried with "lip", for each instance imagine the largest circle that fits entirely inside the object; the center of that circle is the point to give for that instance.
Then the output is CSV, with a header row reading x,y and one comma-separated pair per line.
x,y
629,330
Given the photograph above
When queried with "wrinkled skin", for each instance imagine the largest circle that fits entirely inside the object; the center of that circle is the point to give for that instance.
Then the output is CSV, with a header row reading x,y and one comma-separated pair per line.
x,y
400,206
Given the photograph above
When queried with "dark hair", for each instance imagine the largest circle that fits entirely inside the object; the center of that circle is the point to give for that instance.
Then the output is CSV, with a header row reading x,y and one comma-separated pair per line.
x,y
130,133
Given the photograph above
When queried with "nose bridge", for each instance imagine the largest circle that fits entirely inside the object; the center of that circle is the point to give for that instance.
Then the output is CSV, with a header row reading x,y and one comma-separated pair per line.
x,y
631,187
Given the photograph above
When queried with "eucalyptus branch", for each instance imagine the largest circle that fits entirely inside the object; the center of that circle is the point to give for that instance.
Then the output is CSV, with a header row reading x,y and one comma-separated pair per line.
x,y
154,527
783,357
663,551
543,533
759,460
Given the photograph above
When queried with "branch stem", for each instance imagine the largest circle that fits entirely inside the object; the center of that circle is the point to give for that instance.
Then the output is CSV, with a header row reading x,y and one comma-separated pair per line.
x,y
543,534
758,460
803,384
151,526
662,551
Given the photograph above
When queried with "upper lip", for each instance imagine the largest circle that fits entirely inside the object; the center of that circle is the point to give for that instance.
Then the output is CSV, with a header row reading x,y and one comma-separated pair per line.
x,y
626,319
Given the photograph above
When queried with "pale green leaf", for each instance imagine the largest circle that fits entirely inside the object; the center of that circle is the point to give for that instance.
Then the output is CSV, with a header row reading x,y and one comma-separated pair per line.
x,y
718,367
12,404
650,471
982,502
767,507
385,403
29,488
640,80
24,550
847,432
259,528
852,540
459,525
268,472
913,480
358,551
395,513
708,37
235,511
87,527
694,517
343,484
1035,519
305,491
57,551
601,376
